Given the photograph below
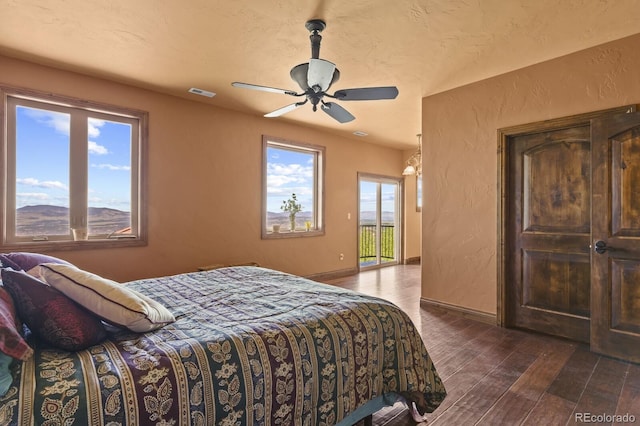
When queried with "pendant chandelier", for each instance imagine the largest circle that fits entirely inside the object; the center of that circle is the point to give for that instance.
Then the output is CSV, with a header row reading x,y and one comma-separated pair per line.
x,y
414,163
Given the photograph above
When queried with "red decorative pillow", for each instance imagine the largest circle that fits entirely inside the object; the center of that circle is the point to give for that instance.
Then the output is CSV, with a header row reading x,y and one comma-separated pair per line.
x,y
50,315
11,341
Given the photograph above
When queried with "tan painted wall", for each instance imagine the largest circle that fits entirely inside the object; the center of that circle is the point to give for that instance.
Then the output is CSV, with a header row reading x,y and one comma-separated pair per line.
x,y
412,218
460,162
204,183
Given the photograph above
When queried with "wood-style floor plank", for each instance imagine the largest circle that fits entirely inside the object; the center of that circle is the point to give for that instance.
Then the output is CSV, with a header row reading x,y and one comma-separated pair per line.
x,y
575,374
522,397
550,410
629,401
498,376
603,390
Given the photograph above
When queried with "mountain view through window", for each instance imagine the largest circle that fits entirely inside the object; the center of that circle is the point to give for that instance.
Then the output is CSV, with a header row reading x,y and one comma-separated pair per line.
x,y
58,172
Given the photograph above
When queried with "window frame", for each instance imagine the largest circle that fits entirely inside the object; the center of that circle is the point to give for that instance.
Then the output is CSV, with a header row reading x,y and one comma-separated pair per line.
x,y
77,108
318,178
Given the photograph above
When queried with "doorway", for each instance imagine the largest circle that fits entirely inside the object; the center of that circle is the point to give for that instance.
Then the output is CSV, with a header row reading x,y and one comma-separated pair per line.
x,y
569,243
379,227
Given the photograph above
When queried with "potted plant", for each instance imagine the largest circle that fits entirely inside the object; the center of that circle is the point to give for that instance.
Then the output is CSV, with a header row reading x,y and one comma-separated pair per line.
x,y
292,207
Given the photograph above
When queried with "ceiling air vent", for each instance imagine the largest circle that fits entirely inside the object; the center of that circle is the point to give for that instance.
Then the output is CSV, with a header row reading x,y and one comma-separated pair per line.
x,y
201,92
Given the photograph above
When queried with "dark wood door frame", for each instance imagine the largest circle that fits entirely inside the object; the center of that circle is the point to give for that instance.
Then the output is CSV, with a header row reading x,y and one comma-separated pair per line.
x,y
505,135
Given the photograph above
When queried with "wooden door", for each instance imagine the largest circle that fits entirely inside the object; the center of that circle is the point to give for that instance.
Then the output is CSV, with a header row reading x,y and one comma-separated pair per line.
x,y
549,222
615,289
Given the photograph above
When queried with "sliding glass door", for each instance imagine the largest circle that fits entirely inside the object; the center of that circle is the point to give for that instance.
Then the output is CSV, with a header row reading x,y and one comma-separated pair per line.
x,y
379,221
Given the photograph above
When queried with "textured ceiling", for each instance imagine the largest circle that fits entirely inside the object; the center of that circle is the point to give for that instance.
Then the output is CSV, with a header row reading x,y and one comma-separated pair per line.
x,y
422,47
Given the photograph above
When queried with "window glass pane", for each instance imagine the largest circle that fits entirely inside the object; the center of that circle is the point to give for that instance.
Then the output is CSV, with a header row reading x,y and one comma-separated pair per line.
x,y
109,151
368,226
289,172
42,172
388,215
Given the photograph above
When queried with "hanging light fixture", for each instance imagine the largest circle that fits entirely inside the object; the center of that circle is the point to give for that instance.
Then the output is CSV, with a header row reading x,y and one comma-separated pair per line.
x,y
414,163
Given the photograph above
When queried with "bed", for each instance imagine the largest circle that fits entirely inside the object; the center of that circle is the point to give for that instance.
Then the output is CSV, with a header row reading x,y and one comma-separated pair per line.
x,y
246,346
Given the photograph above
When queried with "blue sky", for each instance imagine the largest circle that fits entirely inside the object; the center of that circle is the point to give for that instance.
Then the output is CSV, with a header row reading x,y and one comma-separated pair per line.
x,y
289,172
42,174
368,196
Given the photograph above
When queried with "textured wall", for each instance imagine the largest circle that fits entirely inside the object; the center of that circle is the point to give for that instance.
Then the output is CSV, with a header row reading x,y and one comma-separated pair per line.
x,y
205,180
460,127
412,218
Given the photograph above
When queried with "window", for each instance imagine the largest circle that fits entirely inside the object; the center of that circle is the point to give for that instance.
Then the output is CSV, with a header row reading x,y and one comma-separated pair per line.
x,y
73,172
293,189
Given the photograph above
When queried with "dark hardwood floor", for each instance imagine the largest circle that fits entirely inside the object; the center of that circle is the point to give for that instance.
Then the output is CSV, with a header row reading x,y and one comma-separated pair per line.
x,y
498,376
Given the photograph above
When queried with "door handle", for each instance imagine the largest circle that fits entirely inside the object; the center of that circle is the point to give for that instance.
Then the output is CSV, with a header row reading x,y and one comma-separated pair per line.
x,y
601,247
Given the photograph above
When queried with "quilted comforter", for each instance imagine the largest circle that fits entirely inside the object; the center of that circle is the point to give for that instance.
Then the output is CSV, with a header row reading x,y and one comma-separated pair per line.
x,y
250,346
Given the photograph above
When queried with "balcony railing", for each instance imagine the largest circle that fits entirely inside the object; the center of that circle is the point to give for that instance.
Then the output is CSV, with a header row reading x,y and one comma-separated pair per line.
x,y
368,242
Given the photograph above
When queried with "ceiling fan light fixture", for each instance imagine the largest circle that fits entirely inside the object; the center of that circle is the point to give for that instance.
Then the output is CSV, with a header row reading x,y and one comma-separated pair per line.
x,y
299,74
320,74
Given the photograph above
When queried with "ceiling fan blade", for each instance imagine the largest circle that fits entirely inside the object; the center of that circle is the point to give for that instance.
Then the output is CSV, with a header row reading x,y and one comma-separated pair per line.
x,y
337,112
367,93
284,110
320,73
263,88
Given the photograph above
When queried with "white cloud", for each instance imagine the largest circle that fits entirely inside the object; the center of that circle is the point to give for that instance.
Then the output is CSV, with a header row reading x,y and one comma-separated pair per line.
x,y
61,121
95,148
279,175
111,167
94,127
300,191
56,120
40,196
44,184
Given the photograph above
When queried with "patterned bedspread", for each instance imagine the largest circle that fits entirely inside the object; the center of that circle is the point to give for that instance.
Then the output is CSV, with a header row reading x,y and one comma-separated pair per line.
x,y
250,346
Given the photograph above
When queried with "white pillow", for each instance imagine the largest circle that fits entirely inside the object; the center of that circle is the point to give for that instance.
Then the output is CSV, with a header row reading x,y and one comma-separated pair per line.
x,y
111,301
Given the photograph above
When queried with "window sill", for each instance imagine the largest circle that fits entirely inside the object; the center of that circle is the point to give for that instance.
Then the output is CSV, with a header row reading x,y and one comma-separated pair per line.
x,y
296,234
73,245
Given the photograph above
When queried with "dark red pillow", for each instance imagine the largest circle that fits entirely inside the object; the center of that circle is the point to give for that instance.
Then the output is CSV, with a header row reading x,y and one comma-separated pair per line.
x,y
11,341
50,315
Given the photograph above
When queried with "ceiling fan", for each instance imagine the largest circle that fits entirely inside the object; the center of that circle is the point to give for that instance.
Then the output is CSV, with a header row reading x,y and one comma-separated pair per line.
x,y
316,77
